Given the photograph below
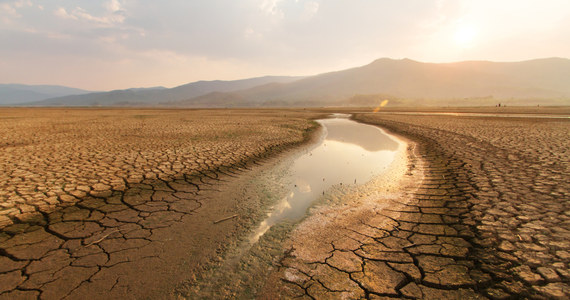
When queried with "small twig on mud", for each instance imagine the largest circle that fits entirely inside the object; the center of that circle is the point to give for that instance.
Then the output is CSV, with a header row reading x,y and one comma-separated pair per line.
x,y
225,219
286,255
104,237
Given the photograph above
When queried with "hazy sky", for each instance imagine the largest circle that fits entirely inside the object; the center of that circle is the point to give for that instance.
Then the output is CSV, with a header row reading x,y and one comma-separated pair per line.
x,y
103,45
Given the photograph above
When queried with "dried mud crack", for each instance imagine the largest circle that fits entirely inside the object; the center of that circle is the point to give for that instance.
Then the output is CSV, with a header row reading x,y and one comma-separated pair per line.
x,y
483,214
127,210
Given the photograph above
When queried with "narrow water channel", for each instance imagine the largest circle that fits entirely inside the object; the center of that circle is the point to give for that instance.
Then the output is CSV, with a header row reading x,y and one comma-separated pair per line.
x,y
349,153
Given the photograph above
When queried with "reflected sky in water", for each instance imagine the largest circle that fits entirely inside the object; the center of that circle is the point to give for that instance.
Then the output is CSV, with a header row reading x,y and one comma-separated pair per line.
x,y
350,153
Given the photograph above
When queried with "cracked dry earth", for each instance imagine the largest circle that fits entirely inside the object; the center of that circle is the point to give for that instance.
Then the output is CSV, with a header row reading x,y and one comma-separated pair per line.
x,y
484,213
120,203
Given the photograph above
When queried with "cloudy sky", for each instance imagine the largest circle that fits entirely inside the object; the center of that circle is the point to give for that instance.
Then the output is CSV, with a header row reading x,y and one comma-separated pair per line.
x,y
115,44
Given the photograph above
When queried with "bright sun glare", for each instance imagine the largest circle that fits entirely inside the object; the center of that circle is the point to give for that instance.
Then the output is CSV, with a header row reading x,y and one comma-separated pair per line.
x,y
465,36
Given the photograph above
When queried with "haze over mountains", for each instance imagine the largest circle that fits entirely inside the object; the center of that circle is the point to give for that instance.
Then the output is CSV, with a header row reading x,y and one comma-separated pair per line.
x,y
21,93
403,82
157,96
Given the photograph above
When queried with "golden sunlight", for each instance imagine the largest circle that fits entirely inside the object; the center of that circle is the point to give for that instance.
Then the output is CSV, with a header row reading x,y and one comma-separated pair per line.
x,y
377,109
465,36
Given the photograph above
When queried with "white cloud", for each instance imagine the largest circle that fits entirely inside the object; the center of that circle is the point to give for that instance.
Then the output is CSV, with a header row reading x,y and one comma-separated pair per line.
x,y
62,13
250,33
287,9
113,6
270,7
310,10
22,3
312,7
114,14
10,8
83,14
10,11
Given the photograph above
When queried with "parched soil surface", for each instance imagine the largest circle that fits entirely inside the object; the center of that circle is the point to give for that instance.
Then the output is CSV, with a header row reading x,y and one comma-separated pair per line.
x,y
124,204
484,213
121,203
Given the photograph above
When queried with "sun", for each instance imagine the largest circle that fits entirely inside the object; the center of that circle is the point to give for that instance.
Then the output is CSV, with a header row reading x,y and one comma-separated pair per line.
x,y
465,36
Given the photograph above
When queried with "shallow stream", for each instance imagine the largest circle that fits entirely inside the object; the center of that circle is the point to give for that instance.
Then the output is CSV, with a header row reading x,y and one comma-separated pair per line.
x,y
348,153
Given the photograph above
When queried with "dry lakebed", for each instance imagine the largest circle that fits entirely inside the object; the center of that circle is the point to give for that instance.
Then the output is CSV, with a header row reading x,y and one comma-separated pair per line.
x,y
470,203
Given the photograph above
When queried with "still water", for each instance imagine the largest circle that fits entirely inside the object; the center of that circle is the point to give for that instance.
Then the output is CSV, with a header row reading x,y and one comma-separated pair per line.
x,y
349,153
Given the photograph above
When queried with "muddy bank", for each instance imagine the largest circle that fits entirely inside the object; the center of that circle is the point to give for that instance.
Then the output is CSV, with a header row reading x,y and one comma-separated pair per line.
x,y
242,264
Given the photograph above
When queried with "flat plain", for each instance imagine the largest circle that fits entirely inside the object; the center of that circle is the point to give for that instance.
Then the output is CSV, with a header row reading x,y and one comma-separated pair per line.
x,y
121,203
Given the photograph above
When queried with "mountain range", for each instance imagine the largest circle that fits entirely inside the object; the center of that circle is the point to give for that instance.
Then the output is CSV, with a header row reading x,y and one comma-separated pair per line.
x,y
409,82
158,96
403,82
14,94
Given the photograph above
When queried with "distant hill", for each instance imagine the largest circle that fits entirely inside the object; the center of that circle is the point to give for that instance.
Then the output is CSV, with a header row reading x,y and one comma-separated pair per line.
x,y
14,94
159,96
134,96
408,81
